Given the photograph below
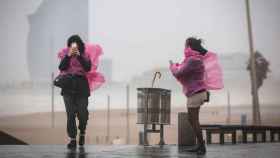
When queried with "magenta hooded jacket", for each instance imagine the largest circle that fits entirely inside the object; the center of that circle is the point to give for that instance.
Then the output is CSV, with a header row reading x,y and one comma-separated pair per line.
x,y
92,52
198,72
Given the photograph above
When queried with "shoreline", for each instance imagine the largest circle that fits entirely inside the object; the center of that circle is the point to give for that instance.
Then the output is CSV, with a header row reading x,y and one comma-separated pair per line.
x,y
133,109
36,128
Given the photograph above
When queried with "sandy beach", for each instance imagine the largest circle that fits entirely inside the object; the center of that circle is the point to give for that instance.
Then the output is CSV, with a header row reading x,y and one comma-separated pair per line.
x,y
36,128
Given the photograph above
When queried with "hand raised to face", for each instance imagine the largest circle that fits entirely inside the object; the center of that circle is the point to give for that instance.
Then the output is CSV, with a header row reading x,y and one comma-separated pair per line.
x,y
73,50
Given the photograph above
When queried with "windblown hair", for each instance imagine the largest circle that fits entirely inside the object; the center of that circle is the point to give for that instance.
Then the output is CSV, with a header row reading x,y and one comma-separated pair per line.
x,y
76,39
195,44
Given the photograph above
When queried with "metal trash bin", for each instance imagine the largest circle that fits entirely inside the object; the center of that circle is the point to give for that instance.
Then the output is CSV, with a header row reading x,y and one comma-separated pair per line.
x,y
153,108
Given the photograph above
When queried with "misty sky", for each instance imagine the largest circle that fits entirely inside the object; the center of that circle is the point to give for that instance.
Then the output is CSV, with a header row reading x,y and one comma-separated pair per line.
x,y
140,35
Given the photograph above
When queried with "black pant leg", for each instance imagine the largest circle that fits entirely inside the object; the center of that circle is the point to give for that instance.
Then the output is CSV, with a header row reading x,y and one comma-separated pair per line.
x,y
70,106
82,113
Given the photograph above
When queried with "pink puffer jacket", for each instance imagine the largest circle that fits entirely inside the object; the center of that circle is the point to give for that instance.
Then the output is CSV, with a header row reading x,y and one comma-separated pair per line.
x,y
198,72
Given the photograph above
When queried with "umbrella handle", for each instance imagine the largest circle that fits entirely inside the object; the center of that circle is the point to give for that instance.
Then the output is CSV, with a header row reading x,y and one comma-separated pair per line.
x,y
155,75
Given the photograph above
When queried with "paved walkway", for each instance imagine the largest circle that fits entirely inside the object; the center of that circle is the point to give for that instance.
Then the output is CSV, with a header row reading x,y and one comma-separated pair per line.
x,y
266,150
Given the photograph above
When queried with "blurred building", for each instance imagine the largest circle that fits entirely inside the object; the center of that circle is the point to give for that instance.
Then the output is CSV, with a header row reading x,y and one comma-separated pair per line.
x,y
236,81
106,68
50,26
165,81
233,65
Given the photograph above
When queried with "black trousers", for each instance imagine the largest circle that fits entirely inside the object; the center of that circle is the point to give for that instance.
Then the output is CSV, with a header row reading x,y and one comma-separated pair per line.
x,y
76,106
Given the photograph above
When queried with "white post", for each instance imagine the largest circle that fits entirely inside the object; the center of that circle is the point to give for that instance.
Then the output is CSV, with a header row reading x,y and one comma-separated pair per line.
x,y
127,115
228,108
108,119
52,99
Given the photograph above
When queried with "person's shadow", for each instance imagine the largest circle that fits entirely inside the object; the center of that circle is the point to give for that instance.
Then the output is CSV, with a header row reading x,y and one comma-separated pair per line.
x,y
76,153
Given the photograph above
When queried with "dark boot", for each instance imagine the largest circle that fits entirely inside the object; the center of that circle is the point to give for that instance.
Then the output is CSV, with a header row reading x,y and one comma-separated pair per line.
x,y
82,139
202,149
72,144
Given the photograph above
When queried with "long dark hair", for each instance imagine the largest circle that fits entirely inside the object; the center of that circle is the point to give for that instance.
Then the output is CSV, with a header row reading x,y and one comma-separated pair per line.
x,y
76,39
195,44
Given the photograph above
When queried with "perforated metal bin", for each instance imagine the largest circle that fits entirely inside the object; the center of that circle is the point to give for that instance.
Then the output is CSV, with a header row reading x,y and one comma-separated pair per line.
x,y
153,106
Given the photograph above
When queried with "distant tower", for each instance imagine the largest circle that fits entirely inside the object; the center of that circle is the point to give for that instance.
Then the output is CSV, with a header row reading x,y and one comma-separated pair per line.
x,y
50,26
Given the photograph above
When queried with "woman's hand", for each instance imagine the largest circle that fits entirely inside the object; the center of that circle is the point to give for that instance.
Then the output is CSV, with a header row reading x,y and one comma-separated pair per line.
x,y
73,50
77,52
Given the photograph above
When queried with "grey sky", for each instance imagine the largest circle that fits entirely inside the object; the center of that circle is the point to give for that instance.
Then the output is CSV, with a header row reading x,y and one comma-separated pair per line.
x,y
140,35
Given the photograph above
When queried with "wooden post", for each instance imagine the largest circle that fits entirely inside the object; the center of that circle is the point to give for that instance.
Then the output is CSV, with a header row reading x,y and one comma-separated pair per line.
x,y
209,137
222,137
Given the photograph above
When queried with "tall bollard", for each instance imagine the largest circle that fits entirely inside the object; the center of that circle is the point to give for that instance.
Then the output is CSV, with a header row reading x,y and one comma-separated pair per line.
x,y
186,136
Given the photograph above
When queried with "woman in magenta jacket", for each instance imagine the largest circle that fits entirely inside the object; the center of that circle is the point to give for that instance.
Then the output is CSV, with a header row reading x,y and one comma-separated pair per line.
x,y
190,73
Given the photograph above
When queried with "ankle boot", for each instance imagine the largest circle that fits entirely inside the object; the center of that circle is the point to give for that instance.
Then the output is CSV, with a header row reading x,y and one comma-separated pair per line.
x,y
72,144
202,149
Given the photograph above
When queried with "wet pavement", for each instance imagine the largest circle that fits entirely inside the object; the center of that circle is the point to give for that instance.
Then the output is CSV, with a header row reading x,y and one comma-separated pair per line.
x,y
265,150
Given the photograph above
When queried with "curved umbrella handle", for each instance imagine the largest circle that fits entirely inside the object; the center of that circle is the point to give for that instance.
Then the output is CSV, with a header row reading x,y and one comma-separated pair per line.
x,y
155,75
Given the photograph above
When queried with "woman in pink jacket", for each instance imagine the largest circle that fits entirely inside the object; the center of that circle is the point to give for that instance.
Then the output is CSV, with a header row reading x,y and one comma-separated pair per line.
x,y
191,74
80,60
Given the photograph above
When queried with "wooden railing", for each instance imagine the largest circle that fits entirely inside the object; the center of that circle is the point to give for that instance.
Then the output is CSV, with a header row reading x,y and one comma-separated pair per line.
x,y
245,130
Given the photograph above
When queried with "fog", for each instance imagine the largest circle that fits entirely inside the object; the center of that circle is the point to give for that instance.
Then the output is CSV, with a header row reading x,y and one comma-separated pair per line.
x,y
147,33
138,37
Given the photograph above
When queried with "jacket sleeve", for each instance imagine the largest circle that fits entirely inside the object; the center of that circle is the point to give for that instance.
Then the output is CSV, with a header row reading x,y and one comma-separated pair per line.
x,y
188,68
64,63
85,62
